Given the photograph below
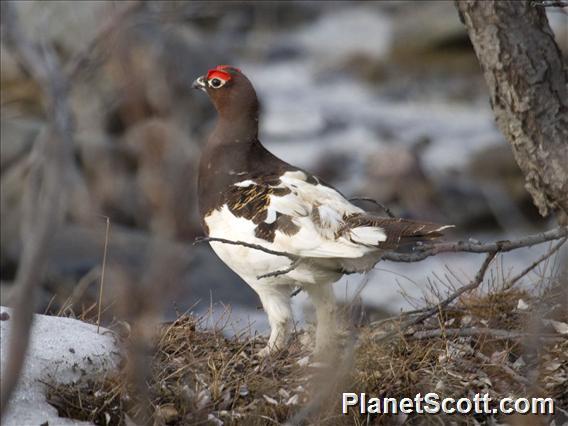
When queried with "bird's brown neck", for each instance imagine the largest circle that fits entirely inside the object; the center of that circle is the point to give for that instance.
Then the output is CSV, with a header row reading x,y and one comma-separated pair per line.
x,y
241,130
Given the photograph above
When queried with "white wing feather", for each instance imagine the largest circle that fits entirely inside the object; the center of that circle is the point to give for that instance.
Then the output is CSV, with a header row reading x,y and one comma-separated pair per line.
x,y
317,238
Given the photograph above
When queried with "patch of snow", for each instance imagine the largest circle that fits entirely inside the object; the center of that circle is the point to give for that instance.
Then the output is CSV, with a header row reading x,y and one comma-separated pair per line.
x,y
61,350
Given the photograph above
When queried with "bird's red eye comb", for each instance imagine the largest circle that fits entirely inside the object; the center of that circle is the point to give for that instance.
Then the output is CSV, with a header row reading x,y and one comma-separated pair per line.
x,y
224,67
220,71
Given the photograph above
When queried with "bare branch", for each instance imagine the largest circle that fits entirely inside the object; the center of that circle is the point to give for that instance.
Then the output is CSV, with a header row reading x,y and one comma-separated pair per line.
x,y
44,196
428,312
295,259
510,283
474,331
292,266
427,250
249,245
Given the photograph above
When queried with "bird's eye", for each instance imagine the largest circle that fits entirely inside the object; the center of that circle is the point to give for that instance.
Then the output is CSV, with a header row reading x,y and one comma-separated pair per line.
x,y
215,83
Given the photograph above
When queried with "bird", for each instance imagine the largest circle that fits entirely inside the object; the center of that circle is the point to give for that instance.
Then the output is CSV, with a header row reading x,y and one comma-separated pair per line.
x,y
250,198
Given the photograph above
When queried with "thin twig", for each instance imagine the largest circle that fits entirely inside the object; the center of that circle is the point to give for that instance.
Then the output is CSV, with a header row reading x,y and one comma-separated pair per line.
x,y
428,312
295,259
296,292
201,240
290,268
485,359
510,283
103,267
79,290
371,200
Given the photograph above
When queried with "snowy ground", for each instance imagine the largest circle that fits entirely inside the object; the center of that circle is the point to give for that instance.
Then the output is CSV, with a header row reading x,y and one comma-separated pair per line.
x,y
62,350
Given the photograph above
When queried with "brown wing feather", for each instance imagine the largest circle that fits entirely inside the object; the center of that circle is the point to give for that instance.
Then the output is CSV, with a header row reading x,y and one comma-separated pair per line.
x,y
399,231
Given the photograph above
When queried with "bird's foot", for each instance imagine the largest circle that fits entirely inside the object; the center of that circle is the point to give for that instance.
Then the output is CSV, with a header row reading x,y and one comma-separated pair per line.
x,y
270,350
264,352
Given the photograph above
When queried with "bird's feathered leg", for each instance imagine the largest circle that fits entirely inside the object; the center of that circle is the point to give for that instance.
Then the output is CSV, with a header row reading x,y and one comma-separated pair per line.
x,y
276,303
323,299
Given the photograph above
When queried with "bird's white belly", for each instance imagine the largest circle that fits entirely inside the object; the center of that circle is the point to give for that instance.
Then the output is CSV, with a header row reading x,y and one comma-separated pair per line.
x,y
250,263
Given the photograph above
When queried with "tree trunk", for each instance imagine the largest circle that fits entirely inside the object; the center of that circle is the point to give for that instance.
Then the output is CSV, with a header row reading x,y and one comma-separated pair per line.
x,y
524,70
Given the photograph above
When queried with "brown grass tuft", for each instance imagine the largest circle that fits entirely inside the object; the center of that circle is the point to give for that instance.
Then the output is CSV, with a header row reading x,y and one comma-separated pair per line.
x,y
501,342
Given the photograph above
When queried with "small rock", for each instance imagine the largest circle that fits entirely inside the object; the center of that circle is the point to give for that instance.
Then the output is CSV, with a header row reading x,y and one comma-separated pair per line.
x,y
519,363
270,400
168,413
318,364
449,322
522,305
214,420
293,400
243,390
553,366
203,399
560,327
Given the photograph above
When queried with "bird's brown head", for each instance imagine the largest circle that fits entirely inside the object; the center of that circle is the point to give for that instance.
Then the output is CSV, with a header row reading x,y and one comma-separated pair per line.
x,y
230,91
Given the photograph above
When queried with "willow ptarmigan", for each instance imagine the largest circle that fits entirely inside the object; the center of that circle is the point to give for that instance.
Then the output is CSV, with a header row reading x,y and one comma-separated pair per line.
x,y
249,195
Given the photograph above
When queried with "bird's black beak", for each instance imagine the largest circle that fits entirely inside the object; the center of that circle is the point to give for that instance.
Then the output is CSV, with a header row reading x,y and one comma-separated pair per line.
x,y
200,84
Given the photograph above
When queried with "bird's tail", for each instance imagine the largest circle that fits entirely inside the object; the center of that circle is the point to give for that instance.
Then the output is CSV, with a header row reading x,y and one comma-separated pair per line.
x,y
399,232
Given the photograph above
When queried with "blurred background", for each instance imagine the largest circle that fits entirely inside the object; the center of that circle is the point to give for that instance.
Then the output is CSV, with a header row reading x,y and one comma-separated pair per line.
x,y
380,99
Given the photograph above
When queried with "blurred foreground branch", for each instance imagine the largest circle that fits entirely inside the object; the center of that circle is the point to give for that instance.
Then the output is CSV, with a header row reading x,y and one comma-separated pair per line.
x,y
51,159
44,198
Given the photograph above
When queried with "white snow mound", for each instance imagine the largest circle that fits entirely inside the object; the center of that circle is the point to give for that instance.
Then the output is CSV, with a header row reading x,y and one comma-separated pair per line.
x,y
62,350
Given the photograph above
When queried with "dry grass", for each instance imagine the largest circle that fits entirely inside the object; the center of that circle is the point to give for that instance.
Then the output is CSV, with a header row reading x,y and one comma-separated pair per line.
x,y
197,375
498,341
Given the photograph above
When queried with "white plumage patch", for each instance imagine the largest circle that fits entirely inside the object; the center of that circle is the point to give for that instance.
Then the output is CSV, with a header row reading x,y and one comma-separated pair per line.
x,y
312,237
368,235
245,183
299,216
